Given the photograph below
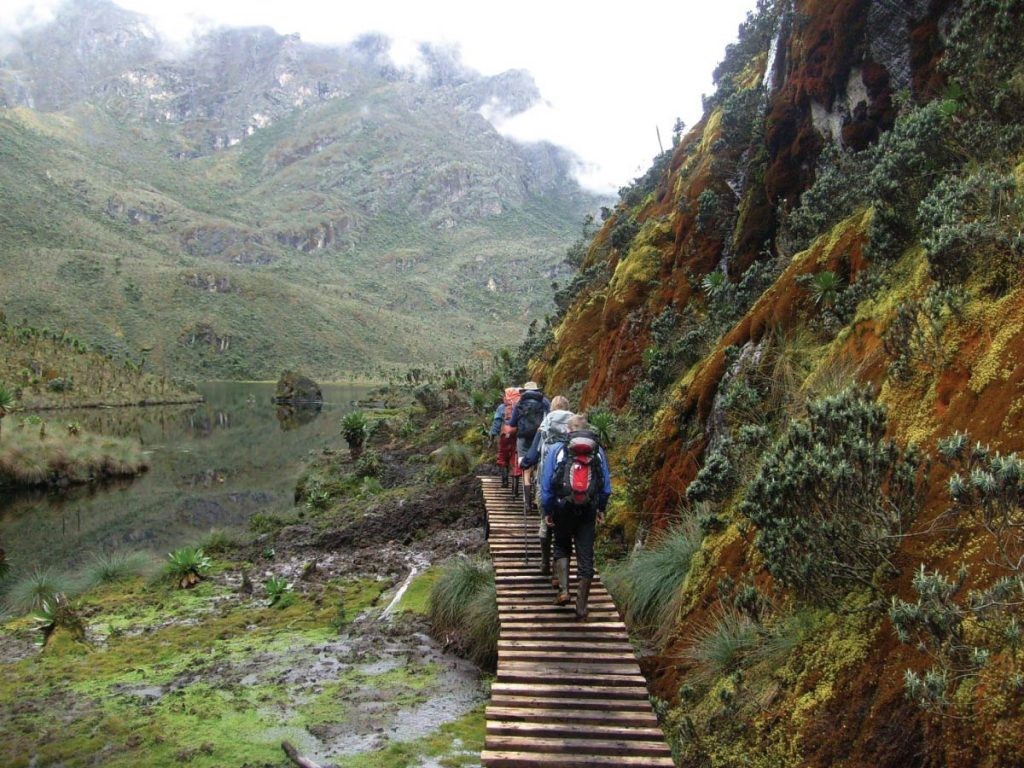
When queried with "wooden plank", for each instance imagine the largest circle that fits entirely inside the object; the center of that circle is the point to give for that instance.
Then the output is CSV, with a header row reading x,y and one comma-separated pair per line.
x,y
563,690
552,646
528,713
568,746
563,729
580,679
572,706
499,758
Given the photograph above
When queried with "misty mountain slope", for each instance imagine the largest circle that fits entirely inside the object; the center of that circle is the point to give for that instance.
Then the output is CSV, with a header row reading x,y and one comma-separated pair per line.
x,y
261,203
808,319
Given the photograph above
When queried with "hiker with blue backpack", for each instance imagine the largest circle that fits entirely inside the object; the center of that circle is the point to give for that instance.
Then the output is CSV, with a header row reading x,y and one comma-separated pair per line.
x,y
553,430
527,416
575,486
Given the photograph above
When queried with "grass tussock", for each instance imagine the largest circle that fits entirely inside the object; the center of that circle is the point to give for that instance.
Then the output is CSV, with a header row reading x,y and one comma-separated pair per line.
x,y
463,610
722,646
114,567
40,585
647,584
48,455
453,460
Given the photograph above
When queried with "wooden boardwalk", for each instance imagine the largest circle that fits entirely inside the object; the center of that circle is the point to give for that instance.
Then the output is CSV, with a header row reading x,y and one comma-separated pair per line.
x,y
568,693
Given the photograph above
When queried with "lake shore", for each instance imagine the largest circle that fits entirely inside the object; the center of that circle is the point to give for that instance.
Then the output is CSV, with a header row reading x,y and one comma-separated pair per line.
x,y
343,666
57,455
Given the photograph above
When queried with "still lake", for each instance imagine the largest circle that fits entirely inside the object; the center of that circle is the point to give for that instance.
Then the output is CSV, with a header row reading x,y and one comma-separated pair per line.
x,y
212,466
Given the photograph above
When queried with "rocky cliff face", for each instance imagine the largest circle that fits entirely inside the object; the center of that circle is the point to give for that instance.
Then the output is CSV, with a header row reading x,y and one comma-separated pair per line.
x,y
846,214
256,151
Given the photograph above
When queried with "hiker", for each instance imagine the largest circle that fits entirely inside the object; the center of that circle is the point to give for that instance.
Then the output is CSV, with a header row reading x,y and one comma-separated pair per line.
x,y
502,427
527,416
574,489
552,430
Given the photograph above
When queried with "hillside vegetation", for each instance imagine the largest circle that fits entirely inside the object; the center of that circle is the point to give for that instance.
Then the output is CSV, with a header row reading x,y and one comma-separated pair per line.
x,y
43,368
808,319
260,203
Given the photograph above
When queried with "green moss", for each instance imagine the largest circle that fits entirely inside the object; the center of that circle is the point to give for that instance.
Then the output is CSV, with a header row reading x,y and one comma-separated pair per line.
x,y
202,716
417,597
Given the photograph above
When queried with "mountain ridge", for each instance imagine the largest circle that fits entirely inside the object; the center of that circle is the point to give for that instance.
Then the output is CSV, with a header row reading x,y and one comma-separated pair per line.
x,y
249,155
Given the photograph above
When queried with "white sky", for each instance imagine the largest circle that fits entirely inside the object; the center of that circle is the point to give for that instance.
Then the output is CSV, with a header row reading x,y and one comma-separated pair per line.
x,y
607,77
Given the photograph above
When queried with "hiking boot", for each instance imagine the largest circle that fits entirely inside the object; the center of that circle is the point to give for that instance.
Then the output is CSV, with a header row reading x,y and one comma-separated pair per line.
x,y
582,596
545,556
562,571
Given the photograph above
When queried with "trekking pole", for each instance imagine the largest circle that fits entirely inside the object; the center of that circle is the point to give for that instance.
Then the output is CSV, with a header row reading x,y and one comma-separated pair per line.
x,y
526,522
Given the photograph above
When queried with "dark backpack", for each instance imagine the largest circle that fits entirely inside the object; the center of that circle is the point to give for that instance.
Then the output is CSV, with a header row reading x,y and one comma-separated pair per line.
x,y
531,414
578,477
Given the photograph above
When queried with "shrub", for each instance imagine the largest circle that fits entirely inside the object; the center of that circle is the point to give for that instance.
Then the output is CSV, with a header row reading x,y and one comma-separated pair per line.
x,y
716,478
623,232
959,634
279,592
370,464
832,498
647,583
987,490
824,288
602,421
709,212
453,460
112,567
370,487
219,541
913,339
40,585
354,428
973,221
188,566
55,614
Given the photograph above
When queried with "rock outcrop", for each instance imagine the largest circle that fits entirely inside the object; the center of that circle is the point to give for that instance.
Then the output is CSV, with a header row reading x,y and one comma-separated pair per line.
x,y
296,389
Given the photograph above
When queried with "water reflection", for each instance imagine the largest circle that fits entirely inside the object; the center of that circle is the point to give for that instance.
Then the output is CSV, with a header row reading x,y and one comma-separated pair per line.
x,y
290,416
213,465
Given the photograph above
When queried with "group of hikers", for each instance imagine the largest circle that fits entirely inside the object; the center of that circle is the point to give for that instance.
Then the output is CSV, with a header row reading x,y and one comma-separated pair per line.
x,y
574,484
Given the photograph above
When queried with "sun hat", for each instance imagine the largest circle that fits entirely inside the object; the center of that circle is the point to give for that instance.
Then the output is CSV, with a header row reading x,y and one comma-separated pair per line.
x,y
531,385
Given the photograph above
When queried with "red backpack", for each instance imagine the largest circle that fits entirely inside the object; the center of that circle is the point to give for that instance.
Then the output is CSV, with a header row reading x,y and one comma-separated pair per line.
x,y
511,398
578,478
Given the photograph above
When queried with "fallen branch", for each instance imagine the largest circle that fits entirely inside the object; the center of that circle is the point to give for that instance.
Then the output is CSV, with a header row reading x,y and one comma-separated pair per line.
x,y
295,757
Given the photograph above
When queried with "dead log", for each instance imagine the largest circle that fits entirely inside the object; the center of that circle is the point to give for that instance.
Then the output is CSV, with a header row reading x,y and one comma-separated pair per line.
x,y
295,757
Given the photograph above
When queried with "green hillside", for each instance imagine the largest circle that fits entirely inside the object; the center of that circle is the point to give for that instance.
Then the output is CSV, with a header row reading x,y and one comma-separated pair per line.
x,y
384,224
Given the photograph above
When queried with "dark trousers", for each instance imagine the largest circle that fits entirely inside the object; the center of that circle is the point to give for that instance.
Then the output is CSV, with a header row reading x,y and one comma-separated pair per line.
x,y
572,528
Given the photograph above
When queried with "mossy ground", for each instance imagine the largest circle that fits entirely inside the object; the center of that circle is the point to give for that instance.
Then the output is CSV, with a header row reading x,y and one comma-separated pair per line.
x,y
209,677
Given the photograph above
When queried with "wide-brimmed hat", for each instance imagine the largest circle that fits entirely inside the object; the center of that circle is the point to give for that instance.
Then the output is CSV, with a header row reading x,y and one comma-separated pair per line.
x,y
531,385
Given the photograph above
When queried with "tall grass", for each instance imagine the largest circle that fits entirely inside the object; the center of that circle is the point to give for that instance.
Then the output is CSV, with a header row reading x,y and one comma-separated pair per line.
x,y
482,626
463,610
647,584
